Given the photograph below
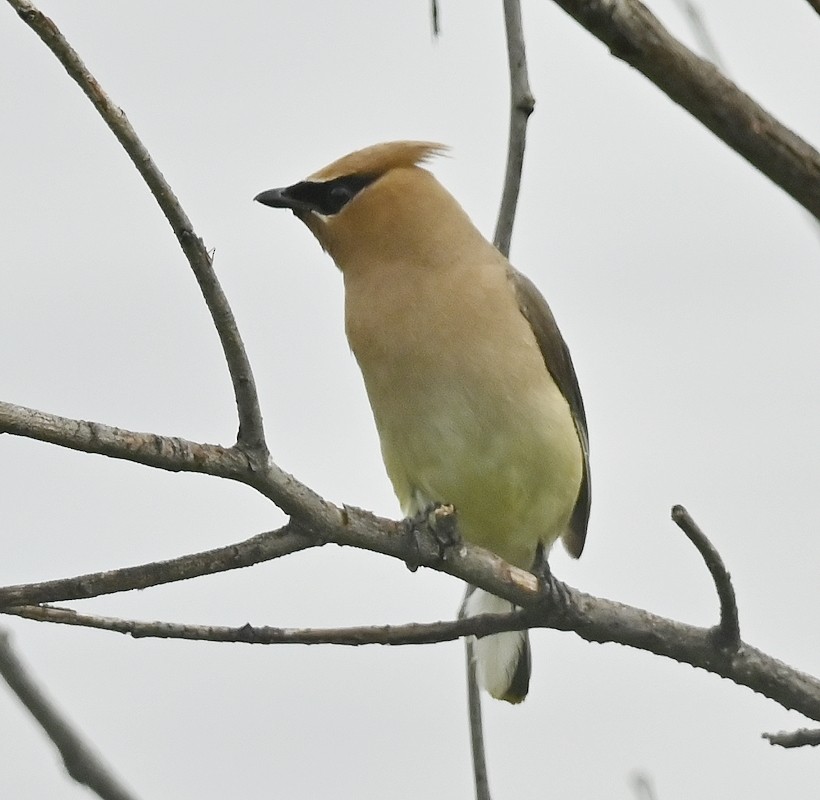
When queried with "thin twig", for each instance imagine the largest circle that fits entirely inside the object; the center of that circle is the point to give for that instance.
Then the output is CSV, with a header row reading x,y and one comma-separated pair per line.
x,y
80,761
522,104
815,4
262,547
414,633
251,432
635,35
480,778
729,628
804,737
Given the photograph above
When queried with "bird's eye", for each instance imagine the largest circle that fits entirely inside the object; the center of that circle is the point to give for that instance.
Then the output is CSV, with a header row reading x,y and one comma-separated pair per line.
x,y
340,194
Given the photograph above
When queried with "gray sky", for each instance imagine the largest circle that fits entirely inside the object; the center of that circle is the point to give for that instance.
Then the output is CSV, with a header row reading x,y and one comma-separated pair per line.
x,y
685,283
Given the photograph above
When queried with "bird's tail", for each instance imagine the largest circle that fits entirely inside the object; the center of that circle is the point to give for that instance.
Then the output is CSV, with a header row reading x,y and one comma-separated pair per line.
x,y
502,661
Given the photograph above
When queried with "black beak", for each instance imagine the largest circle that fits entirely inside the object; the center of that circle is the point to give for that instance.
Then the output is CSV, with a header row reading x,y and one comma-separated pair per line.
x,y
280,198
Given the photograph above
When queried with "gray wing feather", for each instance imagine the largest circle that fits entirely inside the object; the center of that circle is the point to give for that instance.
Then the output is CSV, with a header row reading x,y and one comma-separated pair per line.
x,y
557,359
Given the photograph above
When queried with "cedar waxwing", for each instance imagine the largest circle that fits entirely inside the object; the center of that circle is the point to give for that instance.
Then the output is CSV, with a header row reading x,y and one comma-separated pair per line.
x,y
471,384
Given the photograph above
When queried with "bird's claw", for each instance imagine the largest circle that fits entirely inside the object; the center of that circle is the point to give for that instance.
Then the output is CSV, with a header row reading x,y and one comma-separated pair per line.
x,y
437,521
554,593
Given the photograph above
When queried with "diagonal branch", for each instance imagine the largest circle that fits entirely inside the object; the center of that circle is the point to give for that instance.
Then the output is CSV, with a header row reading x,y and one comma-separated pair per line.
x,y
81,763
262,547
251,433
635,35
728,631
522,104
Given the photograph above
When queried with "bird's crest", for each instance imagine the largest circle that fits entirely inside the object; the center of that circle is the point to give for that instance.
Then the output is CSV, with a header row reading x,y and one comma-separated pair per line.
x,y
379,159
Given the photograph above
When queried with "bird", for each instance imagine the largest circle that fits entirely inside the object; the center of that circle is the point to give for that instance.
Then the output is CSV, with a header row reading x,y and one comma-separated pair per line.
x,y
471,385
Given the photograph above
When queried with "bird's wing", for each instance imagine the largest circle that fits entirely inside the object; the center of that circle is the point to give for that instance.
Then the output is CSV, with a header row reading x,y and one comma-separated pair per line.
x,y
557,359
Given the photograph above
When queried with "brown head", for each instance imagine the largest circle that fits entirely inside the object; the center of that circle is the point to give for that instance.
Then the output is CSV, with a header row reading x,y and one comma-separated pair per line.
x,y
378,204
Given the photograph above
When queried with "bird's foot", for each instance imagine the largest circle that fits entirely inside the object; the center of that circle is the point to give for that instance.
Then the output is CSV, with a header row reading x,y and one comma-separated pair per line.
x,y
554,593
436,521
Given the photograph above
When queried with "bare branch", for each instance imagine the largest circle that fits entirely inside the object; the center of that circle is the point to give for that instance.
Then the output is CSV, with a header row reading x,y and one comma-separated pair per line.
x,y
480,777
728,632
634,35
176,455
800,738
251,433
594,619
81,763
413,633
164,452
815,4
522,104
262,547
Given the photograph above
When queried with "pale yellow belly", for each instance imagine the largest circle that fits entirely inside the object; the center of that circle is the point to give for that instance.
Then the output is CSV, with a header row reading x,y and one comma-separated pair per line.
x,y
510,465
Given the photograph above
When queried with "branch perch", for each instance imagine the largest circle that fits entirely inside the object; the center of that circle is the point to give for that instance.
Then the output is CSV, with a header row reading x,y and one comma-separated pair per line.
x,y
593,619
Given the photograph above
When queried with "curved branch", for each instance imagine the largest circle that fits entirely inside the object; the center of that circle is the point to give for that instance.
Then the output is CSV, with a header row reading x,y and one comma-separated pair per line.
x,y
522,104
728,631
635,35
251,432
81,763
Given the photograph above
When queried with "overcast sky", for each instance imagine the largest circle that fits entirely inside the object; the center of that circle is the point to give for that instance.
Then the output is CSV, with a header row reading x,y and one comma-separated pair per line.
x,y
685,284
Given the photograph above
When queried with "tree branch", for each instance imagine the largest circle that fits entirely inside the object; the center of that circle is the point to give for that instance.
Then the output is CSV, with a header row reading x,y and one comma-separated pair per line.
x,y
593,619
728,631
522,104
800,738
81,763
815,4
175,455
251,432
413,633
262,547
634,35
